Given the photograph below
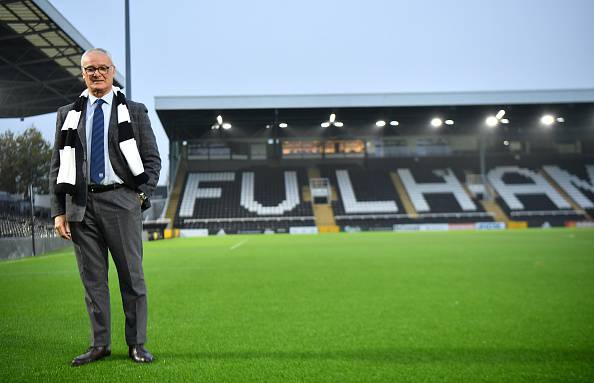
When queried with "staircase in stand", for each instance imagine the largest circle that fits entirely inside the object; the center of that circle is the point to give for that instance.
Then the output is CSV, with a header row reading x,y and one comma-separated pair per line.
x,y
498,213
323,214
175,194
409,208
325,218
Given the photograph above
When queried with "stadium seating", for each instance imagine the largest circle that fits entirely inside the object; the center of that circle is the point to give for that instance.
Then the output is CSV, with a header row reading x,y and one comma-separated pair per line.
x,y
435,193
366,198
15,221
253,199
526,195
447,186
577,184
377,194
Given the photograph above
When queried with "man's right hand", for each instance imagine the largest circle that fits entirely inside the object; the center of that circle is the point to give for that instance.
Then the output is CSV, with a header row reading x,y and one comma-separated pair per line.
x,y
62,227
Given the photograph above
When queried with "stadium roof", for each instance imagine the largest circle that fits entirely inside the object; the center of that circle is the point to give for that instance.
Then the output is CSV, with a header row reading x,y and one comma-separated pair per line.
x,y
193,117
39,59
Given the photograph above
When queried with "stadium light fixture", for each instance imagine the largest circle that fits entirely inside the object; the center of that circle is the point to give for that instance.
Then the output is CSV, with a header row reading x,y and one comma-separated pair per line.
x,y
449,122
436,122
380,123
394,123
220,124
332,121
491,121
282,125
547,120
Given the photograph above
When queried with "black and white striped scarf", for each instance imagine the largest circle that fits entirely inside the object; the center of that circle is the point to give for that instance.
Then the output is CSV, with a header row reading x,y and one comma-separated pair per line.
x,y
66,181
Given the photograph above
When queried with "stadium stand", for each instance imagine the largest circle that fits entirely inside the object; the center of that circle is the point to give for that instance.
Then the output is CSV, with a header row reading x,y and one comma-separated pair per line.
x,y
576,181
526,195
254,199
374,195
381,161
367,198
16,221
436,195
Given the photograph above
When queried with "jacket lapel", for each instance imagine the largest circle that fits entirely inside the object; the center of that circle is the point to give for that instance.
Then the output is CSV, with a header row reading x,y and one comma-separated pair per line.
x,y
82,128
112,131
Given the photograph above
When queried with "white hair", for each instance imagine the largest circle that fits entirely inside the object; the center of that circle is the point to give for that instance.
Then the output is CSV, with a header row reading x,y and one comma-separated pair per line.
x,y
104,51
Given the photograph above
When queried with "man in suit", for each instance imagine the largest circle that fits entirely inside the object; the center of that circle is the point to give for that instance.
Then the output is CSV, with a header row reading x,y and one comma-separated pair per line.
x,y
103,209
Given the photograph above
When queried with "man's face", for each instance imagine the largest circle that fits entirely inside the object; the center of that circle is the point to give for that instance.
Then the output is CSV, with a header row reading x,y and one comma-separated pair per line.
x,y
93,64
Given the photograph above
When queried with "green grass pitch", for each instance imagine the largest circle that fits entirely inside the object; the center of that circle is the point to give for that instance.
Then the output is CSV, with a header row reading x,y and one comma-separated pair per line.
x,y
505,306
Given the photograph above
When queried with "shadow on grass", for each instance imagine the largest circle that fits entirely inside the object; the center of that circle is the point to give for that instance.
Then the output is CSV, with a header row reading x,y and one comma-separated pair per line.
x,y
401,356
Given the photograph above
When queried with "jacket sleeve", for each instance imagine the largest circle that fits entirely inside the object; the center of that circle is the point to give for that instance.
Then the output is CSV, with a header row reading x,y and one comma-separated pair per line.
x,y
57,201
149,152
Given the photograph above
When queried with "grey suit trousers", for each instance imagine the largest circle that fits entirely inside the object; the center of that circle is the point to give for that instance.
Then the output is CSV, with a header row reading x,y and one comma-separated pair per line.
x,y
113,222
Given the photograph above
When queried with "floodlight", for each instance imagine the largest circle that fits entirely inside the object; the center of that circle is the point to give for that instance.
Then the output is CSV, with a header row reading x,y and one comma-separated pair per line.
x,y
380,123
504,121
220,119
394,123
436,122
560,119
226,126
338,124
332,117
449,122
491,121
506,143
325,124
547,119
500,114
282,125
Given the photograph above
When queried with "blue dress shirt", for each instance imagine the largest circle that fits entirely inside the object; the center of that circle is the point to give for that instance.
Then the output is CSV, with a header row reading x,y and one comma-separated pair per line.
x,y
110,176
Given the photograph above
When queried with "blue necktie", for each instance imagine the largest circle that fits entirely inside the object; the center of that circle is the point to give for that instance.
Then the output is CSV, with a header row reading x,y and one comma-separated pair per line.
x,y
97,157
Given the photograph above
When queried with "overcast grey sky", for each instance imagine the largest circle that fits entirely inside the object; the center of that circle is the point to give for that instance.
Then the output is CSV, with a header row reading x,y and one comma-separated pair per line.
x,y
227,47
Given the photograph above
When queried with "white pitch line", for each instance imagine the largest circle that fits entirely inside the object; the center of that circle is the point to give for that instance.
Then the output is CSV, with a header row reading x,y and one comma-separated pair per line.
x,y
237,245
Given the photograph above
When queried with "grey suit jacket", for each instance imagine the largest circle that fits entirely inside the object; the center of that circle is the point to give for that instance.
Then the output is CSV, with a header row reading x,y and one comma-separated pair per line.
x,y
74,206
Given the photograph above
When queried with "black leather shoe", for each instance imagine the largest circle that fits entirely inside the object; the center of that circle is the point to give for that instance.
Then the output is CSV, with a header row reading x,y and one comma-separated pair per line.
x,y
92,354
139,354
